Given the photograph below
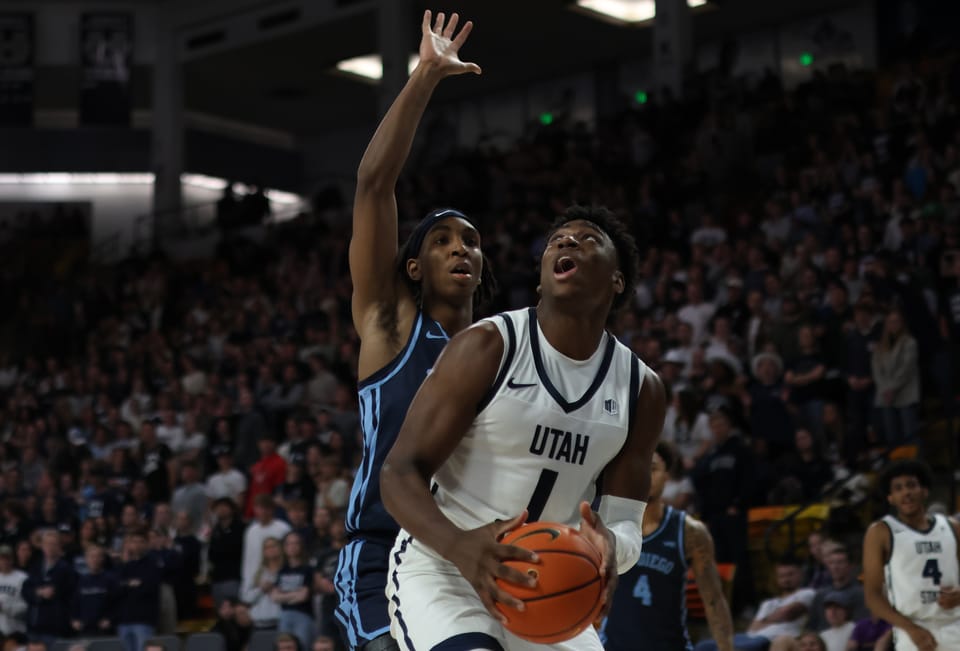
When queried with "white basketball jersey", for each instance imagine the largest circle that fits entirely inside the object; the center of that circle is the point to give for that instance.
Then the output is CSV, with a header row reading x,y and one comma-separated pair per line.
x,y
920,564
548,427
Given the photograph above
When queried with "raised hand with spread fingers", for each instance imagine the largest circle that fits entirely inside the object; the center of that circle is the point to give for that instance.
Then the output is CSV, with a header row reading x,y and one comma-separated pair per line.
x,y
440,44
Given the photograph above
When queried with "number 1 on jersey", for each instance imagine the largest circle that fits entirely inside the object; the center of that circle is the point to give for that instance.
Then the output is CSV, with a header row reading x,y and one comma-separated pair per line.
x,y
538,501
932,571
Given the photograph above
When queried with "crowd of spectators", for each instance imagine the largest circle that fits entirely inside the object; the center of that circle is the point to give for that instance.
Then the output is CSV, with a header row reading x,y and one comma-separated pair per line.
x,y
171,426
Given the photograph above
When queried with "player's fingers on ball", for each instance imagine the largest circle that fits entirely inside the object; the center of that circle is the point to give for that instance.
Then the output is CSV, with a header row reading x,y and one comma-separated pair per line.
x,y
508,599
515,553
503,527
513,575
488,601
586,512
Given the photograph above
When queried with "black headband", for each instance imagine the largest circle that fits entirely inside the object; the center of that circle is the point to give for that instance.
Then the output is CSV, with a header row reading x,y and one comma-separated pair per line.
x,y
412,250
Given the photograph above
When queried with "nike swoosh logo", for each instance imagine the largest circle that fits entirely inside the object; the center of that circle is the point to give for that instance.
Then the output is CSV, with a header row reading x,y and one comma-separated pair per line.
x,y
431,335
553,533
513,385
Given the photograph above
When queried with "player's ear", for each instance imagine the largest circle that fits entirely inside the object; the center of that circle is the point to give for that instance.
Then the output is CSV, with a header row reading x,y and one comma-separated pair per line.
x,y
413,270
538,290
619,284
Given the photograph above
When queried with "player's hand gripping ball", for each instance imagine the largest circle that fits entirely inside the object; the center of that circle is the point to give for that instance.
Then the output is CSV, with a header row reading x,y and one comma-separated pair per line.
x,y
568,596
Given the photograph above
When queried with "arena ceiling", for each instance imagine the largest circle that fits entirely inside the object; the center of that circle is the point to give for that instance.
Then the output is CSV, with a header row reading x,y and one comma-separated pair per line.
x,y
287,83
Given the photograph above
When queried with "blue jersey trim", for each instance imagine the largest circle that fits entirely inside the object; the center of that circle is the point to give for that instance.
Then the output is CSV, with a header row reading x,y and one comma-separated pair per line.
x,y
681,523
370,422
348,609
394,366
663,525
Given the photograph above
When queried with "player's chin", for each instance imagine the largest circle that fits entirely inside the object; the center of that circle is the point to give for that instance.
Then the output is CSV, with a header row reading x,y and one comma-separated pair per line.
x,y
459,288
569,292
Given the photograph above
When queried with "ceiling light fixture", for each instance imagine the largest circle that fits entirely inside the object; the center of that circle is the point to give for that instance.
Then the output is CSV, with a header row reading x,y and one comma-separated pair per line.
x,y
140,178
75,178
629,12
370,67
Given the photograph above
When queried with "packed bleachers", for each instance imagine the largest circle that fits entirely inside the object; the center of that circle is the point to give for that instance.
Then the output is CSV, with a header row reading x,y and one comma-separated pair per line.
x,y
800,296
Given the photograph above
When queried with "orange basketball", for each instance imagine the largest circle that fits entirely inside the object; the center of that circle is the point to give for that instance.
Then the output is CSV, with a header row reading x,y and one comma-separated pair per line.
x,y
567,597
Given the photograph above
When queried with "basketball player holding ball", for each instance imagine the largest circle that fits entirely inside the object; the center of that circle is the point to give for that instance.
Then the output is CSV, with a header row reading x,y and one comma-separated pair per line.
x,y
521,415
404,305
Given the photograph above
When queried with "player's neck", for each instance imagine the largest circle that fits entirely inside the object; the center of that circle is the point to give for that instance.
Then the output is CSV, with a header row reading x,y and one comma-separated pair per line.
x,y
919,520
453,318
653,516
575,335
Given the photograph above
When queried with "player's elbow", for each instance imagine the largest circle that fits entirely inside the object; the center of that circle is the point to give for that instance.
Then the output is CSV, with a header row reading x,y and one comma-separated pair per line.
x,y
388,487
392,476
372,181
872,600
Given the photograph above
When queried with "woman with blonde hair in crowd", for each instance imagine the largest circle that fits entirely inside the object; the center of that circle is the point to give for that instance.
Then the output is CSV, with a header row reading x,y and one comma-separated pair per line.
x,y
896,374
264,611
294,591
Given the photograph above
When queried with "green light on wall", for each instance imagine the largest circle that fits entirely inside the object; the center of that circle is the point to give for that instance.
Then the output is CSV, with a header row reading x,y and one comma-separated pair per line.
x,y
806,59
546,119
641,97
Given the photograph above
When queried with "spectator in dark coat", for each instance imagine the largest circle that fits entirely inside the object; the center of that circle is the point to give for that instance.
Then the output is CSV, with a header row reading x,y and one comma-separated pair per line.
x,y
16,525
859,375
724,481
139,606
185,578
770,422
804,473
225,554
92,611
155,463
49,591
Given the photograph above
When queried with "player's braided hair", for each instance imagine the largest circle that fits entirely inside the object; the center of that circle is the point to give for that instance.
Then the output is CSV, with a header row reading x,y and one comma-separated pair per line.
x,y
628,257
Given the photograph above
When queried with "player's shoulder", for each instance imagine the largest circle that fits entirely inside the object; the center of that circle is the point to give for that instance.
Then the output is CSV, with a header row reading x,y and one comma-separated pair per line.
x,y
953,523
694,528
878,533
696,535
691,523
481,339
652,394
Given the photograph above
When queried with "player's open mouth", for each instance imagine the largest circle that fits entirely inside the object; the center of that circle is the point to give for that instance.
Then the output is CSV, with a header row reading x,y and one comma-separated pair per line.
x,y
462,271
564,267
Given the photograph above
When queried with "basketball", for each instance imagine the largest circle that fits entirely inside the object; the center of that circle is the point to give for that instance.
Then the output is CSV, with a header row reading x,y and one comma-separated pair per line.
x,y
567,597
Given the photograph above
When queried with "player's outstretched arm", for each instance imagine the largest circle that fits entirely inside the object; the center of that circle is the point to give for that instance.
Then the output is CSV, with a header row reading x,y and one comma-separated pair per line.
x,y
439,416
876,549
616,530
373,245
698,545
